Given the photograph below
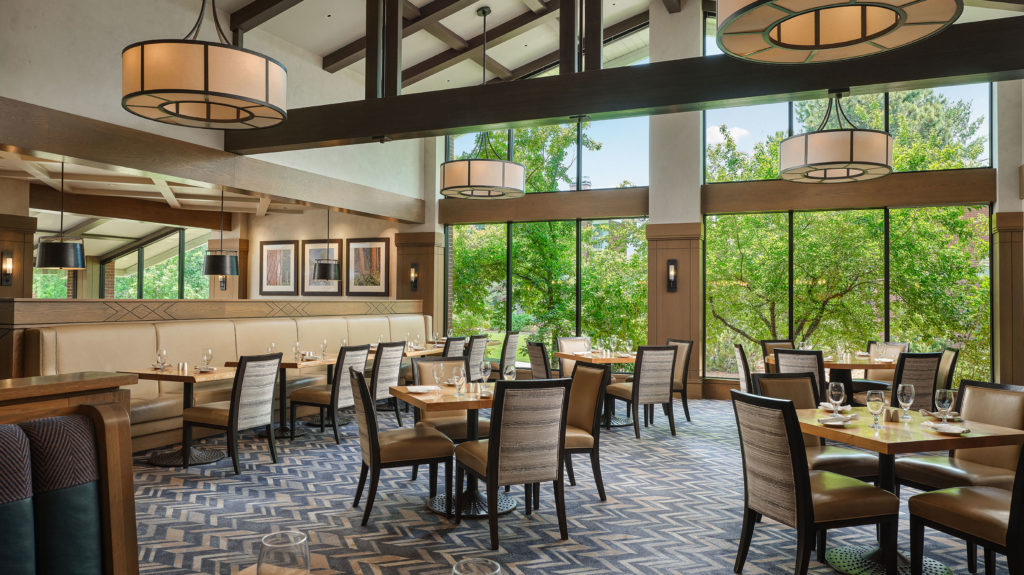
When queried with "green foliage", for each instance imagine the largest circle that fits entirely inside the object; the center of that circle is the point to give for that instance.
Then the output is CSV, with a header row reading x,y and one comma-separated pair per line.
x,y
49,284
160,281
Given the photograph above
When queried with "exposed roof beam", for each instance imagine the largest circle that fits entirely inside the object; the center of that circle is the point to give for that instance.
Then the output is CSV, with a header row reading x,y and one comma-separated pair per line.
x,y
965,53
261,210
257,12
355,51
474,47
674,6
1014,5
166,192
410,11
42,198
35,171
534,5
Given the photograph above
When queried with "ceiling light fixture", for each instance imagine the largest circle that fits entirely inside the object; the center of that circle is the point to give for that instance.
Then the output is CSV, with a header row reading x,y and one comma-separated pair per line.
x,y
833,156
203,84
807,31
60,252
221,262
483,178
327,269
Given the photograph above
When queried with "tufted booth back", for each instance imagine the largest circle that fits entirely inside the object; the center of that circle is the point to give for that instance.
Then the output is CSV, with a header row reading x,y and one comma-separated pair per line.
x,y
364,330
97,347
313,330
186,341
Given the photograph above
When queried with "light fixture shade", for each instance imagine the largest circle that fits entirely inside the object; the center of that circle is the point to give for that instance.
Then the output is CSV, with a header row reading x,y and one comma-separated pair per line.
x,y
326,270
202,85
220,263
483,179
60,253
806,31
836,156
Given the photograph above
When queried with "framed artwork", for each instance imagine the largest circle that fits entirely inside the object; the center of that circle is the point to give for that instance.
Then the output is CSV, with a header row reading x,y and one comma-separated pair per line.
x,y
279,268
366,266
313,250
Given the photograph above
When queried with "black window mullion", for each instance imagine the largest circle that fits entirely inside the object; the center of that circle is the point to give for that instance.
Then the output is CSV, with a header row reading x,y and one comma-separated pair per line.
x,y
181,263
508,276
103,281
885,280
138,272
792,335
579,287
579,154
445,324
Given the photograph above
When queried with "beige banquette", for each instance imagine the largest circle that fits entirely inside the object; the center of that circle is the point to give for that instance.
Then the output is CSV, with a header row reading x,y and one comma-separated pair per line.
x,y
156,405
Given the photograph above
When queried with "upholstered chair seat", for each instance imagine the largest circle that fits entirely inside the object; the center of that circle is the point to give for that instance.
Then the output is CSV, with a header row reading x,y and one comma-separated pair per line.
x,y
163,406
850,462
215,413
838,497
454,426
576,438
320,394
622,389
983,512
943,472
412,444
473,454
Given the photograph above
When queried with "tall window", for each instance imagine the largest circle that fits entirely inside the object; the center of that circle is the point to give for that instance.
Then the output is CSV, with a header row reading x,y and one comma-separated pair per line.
x,y
613,285
544,280
171,265
160,274
478,279
49,284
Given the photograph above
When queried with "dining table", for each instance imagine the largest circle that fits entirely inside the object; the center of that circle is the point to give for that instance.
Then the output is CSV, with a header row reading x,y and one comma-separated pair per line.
x,y
610,358
841,369
445,398
892,439
188,378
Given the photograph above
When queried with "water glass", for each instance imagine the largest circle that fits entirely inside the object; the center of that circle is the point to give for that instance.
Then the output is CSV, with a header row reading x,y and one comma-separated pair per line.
x,y
510,373
943,401
297,351
905,395
460,383
284,553
485,370
206,359
876,403
476,566
272,347
438,372
163,355
836,395
323,349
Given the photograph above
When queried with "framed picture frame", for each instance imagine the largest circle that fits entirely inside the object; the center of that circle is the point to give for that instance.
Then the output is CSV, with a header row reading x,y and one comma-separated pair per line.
x,y
279,267
367,264
313,250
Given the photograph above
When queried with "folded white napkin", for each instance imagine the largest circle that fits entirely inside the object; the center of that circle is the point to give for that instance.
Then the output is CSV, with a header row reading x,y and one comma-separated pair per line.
x,y
422,388
884,360
945,427
863,354
828,406
827,358
938,414
839,418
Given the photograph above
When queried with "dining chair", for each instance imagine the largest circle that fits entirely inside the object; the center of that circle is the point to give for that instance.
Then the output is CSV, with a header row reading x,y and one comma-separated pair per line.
x,y
778,485
394,448
476,350
918,369
508,356
387,372
768,347
527,446
583,421
454,347
804,361
540,367
330,397
947,367
800,389
743,367
571,345
986,516
681,369
651,385
880,378
251,406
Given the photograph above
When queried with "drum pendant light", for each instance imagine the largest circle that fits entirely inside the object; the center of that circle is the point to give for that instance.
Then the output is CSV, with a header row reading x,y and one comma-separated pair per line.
x,y
810,31
60,252
845,154
483,178
221,262
201,84
327,269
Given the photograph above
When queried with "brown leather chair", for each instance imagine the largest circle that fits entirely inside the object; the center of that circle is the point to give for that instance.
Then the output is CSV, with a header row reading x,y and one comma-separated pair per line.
x,y
768,347
571,344
583,422
540,366
778,485
986,516
332,394
651,385
800,389
394,448
450,423
681,369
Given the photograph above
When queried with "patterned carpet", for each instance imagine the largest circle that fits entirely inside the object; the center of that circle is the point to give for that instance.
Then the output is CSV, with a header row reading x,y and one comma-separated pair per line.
x,y
673,507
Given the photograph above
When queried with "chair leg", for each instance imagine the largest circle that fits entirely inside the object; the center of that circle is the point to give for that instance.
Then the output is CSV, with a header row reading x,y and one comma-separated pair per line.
x,y
362,483
528,488
889,541
568,470
990,561
186,445
448,488
746,534
291,415
822,541
563,527
273,442
374,479
609,411
323,413
460,474
636,420
1014,561
916,545
492,512
647,416
433,480
415,472
398,411
233,439
508,488
334,425
805,540
972,557
672,420
595,464
536,496
686,404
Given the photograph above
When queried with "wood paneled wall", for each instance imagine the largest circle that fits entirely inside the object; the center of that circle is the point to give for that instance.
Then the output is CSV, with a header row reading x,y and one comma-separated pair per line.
x,y
1008,296
676,314
426,249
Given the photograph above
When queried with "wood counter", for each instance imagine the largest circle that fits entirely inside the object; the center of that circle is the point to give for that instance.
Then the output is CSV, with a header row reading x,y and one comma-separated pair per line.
x,y
33,397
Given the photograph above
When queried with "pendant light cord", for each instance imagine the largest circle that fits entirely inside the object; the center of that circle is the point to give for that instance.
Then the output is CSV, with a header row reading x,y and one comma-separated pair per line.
x,y
62,201
483,61
194,32
222,219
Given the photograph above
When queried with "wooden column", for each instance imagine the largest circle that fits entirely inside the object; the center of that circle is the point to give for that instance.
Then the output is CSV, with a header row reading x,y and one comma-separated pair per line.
x,y
392,47
593,35
426,250
374,49
676,314
568,36
237,286
1008,296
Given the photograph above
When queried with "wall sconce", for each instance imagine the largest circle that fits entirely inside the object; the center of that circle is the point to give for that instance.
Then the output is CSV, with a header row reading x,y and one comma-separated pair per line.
x,y
414,277
6,268
223,283
673,270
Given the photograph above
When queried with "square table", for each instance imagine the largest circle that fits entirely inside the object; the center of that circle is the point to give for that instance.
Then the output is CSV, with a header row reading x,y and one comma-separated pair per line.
x,y
188,379
592,357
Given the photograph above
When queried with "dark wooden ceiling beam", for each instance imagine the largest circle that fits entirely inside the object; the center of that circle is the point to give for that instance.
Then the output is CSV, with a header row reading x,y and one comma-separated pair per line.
x,y
43,198
257,12
966,53
674,6
1015,5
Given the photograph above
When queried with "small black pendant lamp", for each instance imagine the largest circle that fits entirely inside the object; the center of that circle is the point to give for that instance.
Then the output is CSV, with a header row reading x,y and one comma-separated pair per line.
x,y
221,262
327,269
59,252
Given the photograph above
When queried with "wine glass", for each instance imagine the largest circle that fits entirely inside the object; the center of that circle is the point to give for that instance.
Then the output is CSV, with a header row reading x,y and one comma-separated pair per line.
x,y
836,395
272,347
450,331
163,355
510,373
485,370
476,566
437,370
206,359
905,395
943,401
323,349
460,383
284,553
876,402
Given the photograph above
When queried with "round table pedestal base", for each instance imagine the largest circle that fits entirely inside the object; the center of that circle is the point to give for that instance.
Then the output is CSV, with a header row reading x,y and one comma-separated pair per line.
x,y
475,507
199,456
314,421
618,421
862,560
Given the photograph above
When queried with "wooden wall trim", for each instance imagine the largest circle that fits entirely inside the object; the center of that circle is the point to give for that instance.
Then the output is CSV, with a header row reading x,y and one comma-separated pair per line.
x,y
689,231
586,204
1008,296
419,239
18,223
1008,221
971,186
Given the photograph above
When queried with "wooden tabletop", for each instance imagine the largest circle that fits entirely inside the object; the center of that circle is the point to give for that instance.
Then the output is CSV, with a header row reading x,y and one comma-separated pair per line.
x,y
292,364
905,437
853,363
26,387
173,374
441,400
594,358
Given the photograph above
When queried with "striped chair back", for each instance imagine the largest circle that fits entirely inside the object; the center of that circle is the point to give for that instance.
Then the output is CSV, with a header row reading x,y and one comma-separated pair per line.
x,y
683,349
252,394
508,352
743,367
366,415
802,361
348,357
528,431
475,351
768,347
922,371
387,367
454,347
539,366
571,345
796,387
652,377
423,374
892,351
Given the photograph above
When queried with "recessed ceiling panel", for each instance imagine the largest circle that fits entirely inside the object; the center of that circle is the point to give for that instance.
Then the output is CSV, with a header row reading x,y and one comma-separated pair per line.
x,y
320,26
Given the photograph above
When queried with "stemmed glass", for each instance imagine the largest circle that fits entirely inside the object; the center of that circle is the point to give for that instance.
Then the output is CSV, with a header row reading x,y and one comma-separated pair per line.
x,y
836,395
485,370
206,360
460,382
323,349
943,401
272,347
438,372
905,395
284,553
450,332
510,373
476,566
876,402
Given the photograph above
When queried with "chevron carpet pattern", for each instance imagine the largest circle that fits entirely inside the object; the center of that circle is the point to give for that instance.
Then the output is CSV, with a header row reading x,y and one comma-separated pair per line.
x,y
673,507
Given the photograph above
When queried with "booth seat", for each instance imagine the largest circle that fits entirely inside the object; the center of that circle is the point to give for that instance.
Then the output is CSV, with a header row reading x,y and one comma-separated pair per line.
x,y
156,405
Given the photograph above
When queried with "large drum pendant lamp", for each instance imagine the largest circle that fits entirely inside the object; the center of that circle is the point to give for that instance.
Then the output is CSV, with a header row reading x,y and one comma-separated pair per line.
x,y
60,252
834,156
221,262
201,84
483,178
809,31
327,269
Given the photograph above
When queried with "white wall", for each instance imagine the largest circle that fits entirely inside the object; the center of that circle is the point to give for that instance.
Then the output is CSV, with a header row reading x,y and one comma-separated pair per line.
x,y
1008,147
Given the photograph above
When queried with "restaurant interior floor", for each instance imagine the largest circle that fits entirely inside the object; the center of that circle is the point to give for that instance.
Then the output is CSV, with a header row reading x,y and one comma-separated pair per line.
x,y
674,506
